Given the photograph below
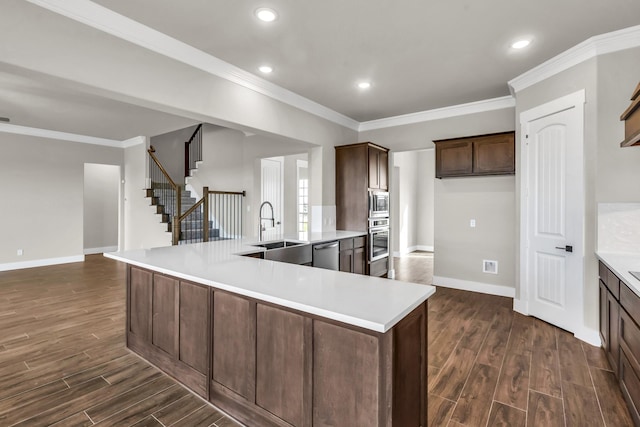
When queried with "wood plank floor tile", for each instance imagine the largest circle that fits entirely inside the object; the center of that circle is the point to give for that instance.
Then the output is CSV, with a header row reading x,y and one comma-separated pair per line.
x,y
439,410
79,419
544,335
506,416
179,409
144,408
596,357
544,411
545,372
573,362
474,404
612,404
453,375
205,416
495,345
581,406
513,384
148,422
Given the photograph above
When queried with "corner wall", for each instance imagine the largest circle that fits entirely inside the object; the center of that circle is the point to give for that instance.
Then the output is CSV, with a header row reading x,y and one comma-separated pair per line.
x,y
42,186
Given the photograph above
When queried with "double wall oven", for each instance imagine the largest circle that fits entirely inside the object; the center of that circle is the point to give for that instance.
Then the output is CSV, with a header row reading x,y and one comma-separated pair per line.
x,y
378,226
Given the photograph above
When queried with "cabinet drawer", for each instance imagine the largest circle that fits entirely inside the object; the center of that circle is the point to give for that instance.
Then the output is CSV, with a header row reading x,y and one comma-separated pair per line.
x,y
602,271
346,244
630,385
630,301
359,242
630,338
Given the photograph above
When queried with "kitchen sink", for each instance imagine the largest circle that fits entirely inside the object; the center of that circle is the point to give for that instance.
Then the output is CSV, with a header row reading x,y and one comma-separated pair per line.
x,y
278,244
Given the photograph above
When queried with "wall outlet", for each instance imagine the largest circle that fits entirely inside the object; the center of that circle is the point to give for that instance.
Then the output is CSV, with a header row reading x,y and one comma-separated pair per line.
x,y
19,252
489,266
472,223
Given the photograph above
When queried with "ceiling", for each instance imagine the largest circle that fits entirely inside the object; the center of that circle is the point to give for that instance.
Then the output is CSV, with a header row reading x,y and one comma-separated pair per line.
x,y
418,55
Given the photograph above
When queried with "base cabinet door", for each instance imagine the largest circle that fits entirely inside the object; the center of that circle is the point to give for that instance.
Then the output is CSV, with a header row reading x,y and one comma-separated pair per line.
x,y
613,323
165,314
195,312
140,303
604,316
360,261
283,359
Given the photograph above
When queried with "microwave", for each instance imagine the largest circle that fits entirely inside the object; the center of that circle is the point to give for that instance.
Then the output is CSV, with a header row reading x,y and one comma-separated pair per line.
x,y
378,204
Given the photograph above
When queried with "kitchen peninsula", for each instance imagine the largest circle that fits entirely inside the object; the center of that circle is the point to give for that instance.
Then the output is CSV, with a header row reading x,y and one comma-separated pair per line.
x,y
278,344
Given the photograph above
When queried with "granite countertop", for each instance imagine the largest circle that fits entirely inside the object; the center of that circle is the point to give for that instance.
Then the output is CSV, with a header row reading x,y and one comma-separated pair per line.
x,y
621,263
372,303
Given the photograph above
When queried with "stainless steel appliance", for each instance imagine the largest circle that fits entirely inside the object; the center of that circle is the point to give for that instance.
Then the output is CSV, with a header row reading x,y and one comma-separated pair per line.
x,y
378,238
326,255
378,204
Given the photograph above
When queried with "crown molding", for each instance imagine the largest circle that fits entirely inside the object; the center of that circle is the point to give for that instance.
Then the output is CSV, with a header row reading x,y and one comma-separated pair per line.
x,y
110,22
598,45
62,136
440,113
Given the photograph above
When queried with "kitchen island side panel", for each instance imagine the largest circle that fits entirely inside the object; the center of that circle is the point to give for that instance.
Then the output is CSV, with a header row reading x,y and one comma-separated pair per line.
x,y
319,371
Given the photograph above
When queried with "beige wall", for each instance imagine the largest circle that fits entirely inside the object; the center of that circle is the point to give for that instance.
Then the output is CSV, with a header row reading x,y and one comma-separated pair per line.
x,y
405,202
101,207
459,250
41,182
170,151
426,198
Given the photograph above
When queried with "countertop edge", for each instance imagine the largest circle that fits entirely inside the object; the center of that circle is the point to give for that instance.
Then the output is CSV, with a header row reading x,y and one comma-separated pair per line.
x,y
609,259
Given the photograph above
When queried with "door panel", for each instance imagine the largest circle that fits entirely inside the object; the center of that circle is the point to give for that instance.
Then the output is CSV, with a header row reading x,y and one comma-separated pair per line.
x,y
555,211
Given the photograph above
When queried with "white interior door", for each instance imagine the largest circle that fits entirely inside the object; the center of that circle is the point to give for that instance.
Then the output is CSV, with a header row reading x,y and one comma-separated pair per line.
x,y
553,210
271,178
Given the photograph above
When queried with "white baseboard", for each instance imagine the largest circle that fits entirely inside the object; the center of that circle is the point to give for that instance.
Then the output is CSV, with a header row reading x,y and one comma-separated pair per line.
x,y
412,249
466,285
588,335
91,251
521,306
41,262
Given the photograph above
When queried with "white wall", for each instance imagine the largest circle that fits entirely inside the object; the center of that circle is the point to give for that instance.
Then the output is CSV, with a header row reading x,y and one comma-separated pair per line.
x,y
406,200
170,151
101,207
142,226
426,199
290,196
41,182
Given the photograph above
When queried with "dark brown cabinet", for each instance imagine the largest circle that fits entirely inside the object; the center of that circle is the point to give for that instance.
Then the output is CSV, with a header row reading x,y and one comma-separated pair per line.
x,y
378,168
620,333
167,324
492,154
631,118
359,168
269,365
353,257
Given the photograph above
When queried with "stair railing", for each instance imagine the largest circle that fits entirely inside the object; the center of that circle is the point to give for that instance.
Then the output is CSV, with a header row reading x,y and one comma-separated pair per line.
x,y
169,193
193,151
219,212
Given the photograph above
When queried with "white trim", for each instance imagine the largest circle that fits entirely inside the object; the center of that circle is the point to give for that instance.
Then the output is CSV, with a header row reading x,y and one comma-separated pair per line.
x,y
91,251
440,113
110,22
521,306
40,262
598,45
425,248
411,249
62,136
588,335
573,100
467,285
132,142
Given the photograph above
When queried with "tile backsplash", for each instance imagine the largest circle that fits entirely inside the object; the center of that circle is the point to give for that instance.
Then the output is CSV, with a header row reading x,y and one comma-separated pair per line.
x,y
619,227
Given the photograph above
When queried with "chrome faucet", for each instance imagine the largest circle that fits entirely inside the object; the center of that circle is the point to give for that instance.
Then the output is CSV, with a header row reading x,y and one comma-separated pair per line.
x,y
261,218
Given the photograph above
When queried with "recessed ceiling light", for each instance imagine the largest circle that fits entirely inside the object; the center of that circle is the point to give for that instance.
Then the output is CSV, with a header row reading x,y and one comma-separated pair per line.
x,y
265,14
520,44
364,85
265,69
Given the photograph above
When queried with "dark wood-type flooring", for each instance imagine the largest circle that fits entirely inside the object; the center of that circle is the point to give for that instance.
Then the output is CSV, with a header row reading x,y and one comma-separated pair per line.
x,y
63,361
490,366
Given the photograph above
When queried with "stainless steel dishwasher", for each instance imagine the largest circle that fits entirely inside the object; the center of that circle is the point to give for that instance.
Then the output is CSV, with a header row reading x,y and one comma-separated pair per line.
x,y
326,255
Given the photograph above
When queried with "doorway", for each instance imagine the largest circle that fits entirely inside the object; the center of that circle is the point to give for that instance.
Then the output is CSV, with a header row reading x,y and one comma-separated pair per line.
x,y
271,197
552,213
101,208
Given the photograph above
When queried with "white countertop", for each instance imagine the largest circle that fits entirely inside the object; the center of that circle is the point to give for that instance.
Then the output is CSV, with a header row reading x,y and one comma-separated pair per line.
x,y
369,302
621,263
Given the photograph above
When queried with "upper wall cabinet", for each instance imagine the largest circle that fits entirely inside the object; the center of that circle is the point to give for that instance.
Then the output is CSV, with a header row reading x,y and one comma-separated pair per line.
x,y
378,168
492,154
631,118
